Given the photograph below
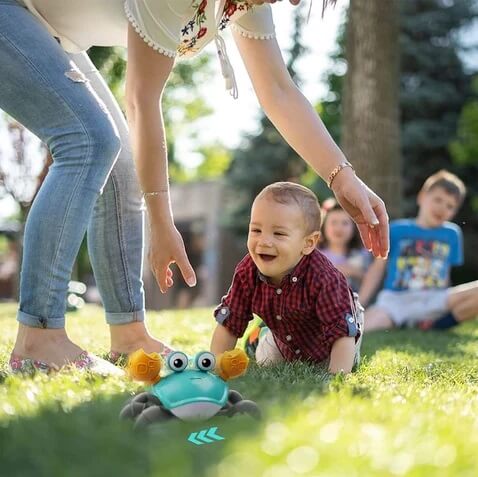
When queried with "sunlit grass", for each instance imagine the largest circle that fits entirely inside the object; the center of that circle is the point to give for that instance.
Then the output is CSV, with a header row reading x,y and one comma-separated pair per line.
x,y
411,409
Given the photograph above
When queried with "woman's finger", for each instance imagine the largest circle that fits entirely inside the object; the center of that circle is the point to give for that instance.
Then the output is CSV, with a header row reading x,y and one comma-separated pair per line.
x,y
186,269
364,231
375,240
161,272
383,229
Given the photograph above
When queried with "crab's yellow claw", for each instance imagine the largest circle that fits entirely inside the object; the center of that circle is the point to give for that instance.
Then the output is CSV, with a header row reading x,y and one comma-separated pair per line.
x,y
232,364
143,366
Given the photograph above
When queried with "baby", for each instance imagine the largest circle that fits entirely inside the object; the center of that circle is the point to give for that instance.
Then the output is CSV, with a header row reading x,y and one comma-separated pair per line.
x,y
310,312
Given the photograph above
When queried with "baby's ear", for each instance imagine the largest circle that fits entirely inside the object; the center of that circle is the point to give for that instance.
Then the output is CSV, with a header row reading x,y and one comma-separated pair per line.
x,y
310,242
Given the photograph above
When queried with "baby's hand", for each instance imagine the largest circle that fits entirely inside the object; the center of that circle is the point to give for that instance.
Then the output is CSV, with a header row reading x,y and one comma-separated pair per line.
x,y
231,364
144,367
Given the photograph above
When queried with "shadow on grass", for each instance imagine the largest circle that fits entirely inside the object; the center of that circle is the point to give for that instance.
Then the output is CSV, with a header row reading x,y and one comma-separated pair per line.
x,y
91,440
442,344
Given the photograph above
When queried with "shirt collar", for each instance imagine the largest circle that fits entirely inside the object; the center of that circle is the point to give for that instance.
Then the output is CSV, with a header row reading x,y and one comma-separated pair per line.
x,y
293,276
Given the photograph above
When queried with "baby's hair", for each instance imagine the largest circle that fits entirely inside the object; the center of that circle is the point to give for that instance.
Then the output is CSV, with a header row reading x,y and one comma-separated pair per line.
x,y
451,183
292,193
330,205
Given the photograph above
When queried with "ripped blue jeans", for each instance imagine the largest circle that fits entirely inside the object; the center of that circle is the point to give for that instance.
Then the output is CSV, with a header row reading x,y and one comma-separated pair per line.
x,y
90,187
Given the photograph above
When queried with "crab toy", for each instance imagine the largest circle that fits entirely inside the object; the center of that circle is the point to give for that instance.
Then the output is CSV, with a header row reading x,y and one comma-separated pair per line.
x,y
190,390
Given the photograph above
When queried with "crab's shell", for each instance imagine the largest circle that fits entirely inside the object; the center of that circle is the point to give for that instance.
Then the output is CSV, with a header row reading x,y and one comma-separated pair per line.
x,y
191,394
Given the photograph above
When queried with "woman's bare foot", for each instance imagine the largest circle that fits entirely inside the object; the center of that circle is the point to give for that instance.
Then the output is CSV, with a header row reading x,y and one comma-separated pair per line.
x,y
51,346
133,336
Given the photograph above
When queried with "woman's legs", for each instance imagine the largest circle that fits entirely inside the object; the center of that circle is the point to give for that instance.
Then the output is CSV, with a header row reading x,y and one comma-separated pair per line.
x,y
115,236
41,90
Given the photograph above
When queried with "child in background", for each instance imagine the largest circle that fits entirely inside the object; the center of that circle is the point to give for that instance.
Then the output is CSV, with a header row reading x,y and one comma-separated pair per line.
x,y
416,290
306,303
341,244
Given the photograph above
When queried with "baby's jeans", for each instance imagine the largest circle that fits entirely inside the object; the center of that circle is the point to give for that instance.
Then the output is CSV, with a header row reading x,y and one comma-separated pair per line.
x,y
91,184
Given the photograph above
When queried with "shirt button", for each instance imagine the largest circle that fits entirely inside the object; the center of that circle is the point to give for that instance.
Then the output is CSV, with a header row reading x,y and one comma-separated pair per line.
x,y
278,317
294,279
279,291
288,337
223,311
297,351
351,320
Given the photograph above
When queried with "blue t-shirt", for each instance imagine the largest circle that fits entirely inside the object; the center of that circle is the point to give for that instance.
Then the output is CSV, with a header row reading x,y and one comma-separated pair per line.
x,y
420,258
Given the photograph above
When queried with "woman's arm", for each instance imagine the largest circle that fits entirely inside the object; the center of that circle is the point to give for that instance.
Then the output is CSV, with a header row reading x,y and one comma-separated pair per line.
x,y
299,124
147,74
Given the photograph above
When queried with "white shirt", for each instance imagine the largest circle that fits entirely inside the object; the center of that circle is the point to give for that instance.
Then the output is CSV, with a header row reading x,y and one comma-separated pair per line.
x,y
172,27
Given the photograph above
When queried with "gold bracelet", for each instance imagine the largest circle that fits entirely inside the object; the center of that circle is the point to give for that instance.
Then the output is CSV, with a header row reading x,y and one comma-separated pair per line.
x,y
334,173
155,193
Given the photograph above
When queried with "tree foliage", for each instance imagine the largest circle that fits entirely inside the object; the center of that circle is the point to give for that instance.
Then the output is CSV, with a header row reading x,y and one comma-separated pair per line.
x,y
438,107
182,104
434,87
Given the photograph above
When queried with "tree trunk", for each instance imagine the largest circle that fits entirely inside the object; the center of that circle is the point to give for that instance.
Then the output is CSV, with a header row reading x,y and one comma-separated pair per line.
x,y
371,130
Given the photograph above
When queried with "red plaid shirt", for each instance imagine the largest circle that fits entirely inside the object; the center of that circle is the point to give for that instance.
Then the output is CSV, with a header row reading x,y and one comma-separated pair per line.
x,y
307,312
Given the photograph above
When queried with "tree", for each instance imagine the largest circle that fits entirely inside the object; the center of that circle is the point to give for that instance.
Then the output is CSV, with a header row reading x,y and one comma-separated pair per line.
x,y
434,87
371,131
437,107
265,157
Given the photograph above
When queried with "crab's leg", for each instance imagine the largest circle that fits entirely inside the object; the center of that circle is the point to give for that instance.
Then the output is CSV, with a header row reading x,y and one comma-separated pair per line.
x,y
249,407
234,396
137,405
151,415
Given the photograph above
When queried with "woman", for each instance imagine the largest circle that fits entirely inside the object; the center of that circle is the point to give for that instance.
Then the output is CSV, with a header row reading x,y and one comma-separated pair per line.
x,y
61,98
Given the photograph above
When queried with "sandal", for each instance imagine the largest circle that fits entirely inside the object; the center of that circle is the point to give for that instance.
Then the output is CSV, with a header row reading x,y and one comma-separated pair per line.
x,y
84,361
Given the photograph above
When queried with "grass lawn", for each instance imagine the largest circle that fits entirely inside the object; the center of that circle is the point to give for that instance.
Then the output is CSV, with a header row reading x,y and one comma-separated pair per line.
x,y
410,410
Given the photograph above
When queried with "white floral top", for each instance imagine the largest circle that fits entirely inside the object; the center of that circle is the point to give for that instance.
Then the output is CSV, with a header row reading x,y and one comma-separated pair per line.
x,y
172,27
186,27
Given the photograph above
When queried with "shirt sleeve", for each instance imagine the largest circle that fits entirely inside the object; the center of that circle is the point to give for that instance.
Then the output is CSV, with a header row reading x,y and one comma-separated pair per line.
x,y
257,23
456,257
158,22
235,310
336,310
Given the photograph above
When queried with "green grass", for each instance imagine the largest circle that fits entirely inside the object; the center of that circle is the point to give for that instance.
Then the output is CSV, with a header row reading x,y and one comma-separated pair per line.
x,y
410,410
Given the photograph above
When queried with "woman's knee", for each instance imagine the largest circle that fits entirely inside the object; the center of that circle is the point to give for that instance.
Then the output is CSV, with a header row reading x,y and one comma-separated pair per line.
x,y
94,143
104,141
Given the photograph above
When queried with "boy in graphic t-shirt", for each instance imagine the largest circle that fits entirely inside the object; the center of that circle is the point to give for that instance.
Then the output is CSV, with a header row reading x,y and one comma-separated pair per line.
x,y
416,290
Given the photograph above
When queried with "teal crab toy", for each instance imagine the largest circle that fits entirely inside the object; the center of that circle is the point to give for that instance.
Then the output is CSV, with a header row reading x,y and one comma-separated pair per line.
x,y
190,390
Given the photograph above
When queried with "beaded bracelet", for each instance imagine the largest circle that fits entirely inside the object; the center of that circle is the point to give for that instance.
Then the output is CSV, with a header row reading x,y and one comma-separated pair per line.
x,y
337,169
155,193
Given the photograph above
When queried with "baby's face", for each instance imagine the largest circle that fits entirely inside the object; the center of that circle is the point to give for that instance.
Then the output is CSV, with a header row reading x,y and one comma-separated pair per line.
x,y
277,237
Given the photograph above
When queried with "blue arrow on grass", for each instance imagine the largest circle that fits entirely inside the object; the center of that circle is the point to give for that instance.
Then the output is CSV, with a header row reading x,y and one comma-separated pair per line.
x,y
205,436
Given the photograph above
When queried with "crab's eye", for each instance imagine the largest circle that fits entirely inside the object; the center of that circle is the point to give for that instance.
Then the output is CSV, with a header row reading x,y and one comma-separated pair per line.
x,y
205,361
177,361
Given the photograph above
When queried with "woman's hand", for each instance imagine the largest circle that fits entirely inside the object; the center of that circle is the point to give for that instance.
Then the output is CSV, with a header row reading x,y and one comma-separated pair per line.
x,y
366,209
167,247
